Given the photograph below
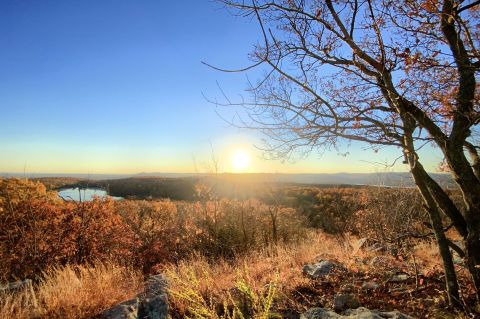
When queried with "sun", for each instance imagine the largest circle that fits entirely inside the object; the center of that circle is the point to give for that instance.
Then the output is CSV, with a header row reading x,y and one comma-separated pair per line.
x,y
240,161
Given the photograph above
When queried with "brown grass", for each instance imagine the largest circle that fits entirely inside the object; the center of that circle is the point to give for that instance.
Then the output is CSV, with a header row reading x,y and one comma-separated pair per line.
x,y
73,292
199,285
196,283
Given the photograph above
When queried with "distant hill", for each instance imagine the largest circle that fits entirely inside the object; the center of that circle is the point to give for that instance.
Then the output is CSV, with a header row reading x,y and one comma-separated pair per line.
x,y
391,179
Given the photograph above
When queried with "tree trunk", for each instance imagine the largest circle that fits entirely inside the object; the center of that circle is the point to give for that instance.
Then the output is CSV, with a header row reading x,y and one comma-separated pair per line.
x,y
432,208
442,241
472,249
465,177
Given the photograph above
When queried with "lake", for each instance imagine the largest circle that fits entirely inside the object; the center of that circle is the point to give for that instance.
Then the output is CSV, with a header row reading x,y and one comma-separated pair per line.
x,y
85,194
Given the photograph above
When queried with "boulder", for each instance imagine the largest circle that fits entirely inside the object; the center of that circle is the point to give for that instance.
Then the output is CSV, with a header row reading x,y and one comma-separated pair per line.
x,y
320,313
321,269
151,304
124,310
359,313
154,302
364,313
345,301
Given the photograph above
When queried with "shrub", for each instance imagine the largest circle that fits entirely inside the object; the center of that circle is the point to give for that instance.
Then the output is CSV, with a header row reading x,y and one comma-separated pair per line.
x,y
39,230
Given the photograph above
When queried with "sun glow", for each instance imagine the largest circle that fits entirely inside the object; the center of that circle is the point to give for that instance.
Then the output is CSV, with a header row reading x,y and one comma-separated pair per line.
x,y
240,161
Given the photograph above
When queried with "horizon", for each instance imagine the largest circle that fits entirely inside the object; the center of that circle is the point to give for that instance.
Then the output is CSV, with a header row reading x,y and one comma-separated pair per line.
x,y
122,89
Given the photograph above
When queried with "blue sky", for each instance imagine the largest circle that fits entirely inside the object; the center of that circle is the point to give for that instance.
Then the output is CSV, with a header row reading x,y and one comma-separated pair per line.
x,y
116,87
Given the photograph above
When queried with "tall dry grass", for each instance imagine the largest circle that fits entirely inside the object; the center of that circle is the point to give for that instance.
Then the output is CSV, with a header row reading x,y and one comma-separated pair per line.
x,y
73,292
198,286
205,290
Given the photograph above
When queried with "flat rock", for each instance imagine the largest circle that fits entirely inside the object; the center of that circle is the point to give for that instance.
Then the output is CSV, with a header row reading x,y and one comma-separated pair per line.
x,y
151,304
359,313
154,302
321,269
124,310
399,277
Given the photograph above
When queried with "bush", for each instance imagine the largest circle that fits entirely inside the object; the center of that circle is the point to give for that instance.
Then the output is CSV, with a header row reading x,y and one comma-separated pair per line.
x,y
39,230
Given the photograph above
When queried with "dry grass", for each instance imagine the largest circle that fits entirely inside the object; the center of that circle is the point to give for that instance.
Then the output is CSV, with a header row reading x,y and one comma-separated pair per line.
x,y
196,283
201,287
73,292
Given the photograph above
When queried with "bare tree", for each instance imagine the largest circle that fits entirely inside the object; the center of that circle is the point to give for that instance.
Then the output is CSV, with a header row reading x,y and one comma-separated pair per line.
x,y
388,73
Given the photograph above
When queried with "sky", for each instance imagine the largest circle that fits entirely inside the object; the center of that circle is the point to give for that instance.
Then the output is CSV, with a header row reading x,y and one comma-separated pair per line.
x,y
117,86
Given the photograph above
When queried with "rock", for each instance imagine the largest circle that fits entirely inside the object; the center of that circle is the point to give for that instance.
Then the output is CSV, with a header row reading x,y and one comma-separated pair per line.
x,y
359,313
364,313
154,302
319,313
16,286
399,277
124,310
151,304
321,269
370,285
345,301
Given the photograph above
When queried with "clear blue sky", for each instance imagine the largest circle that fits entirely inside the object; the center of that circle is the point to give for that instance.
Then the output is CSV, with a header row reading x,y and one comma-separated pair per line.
x,y
115,86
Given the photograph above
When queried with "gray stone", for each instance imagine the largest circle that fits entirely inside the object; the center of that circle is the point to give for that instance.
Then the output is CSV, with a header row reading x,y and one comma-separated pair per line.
x,y
151,304
319,313
154,302
399,277
344,302
124,310
359,313
364,313
321,269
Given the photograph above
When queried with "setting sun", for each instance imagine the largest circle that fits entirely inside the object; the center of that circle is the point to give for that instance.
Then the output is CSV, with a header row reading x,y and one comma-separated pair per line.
x,y
240,161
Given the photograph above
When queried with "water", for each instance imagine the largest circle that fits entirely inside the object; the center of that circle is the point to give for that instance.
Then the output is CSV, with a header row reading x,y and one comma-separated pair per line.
x,y
86,194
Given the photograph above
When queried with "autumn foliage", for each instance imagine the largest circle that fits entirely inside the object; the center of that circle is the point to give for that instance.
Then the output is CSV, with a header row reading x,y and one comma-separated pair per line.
x,y
40,230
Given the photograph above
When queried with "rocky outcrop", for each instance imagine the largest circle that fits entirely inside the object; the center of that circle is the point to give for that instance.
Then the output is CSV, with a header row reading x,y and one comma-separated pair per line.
x,y
359,313
124,310
321,269
151,304
154,302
